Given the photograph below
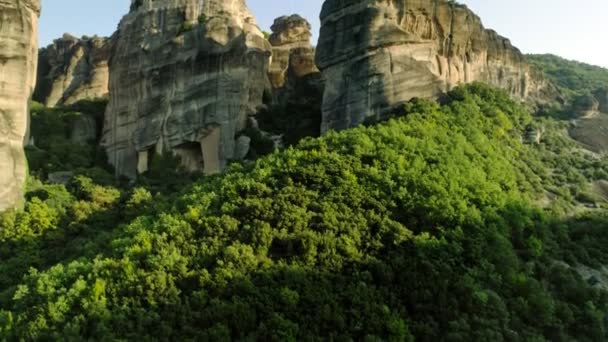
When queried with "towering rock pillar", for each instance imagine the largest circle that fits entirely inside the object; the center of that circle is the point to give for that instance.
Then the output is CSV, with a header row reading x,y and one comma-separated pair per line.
x,y
184,77
377,54
18,59
297,83
292,52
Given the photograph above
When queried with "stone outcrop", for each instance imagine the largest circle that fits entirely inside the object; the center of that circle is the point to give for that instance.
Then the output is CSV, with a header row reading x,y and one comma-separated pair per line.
x,y
184,77
377,54
73,69
296,81
293,56
18,59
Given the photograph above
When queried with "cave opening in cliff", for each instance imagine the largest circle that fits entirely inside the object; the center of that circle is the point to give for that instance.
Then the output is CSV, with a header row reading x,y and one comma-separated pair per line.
x,y
191,156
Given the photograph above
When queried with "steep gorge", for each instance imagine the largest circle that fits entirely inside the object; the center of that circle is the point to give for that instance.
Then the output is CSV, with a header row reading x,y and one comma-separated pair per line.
x,y
18,59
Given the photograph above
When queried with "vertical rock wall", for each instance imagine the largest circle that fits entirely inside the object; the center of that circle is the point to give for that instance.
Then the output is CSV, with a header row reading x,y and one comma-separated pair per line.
x,y
18,59
376,54
73,69
184,77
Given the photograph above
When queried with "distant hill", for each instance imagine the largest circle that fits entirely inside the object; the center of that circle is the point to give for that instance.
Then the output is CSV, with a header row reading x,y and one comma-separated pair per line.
x,y
572,77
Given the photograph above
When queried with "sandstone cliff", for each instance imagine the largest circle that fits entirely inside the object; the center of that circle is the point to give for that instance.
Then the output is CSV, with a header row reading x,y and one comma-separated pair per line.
x,y
377,54
18,59
184,77
292,52
73,69
297,83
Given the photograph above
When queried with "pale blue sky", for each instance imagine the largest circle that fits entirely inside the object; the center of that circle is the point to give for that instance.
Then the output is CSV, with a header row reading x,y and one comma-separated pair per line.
x,y
572,29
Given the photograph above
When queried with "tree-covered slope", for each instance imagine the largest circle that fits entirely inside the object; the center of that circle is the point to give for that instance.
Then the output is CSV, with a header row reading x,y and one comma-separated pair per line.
x,y
428,226
572,77
585,90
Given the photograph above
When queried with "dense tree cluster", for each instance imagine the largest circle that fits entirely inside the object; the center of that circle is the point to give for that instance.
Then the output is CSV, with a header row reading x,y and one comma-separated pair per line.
x,y
423,227
53,150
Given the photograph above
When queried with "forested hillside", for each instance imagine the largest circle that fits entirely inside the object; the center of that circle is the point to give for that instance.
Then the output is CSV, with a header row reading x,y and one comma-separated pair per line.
x,y
571,77
438,224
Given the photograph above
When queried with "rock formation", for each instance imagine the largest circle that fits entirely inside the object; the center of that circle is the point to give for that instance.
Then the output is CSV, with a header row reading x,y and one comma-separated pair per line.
x,y
292,53
296,81
73,69
18,59
184,77
378,54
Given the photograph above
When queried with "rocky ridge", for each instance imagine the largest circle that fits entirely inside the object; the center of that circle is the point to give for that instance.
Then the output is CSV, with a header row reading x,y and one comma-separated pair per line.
x,y
377,54
184,77
18,51
73,69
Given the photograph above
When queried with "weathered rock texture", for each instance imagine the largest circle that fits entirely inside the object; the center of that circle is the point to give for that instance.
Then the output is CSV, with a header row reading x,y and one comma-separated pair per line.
x,y
184,77
296,81
18,59
376,54
73,69
293,56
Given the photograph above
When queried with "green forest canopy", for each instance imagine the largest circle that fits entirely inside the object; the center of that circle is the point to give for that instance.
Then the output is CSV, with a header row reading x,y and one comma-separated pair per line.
x,y
427,227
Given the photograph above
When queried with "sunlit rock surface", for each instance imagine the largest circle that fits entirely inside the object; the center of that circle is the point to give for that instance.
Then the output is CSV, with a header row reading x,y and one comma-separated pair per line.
x,y
184,77
377,54
72,69
18,59
293,55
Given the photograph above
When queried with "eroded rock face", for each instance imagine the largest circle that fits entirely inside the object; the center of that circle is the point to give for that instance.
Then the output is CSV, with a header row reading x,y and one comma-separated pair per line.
x,y
377,54
296,81
18,59
184,77
292,52
73,69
